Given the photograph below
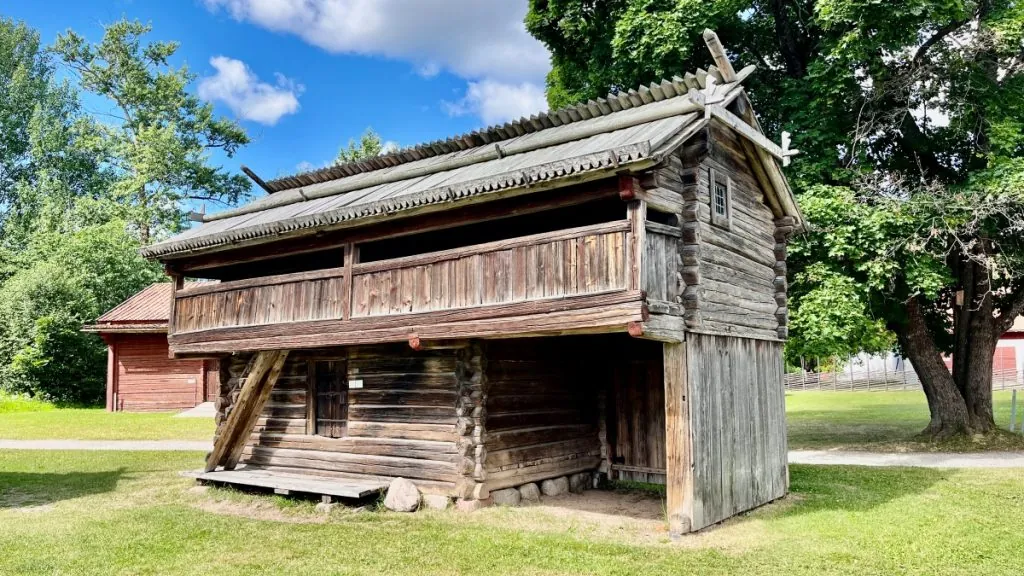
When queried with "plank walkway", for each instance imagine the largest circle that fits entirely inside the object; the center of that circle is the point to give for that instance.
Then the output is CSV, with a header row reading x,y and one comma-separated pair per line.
x,y
287,483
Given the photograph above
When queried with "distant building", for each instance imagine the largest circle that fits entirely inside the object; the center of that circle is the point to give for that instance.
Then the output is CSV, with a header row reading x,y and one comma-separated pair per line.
x,y
140,374
1010,350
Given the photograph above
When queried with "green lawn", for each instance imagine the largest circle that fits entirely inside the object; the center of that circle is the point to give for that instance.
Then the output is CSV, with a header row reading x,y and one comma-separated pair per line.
x,y
22,419
887,421
130,513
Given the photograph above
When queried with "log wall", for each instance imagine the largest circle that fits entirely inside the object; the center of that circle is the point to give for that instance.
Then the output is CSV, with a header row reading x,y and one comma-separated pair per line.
x,y
541,410
400,423
738,425
737,264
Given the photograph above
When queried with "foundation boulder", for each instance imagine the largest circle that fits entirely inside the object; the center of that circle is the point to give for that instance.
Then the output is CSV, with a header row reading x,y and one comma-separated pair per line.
x,y
506,497
403,496
529,492
555,486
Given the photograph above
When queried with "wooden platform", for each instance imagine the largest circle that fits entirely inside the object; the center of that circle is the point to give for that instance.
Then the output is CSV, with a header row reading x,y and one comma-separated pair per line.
x,y
289,483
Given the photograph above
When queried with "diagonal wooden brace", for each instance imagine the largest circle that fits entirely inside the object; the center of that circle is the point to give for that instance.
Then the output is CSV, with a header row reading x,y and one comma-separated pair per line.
x,y
261,375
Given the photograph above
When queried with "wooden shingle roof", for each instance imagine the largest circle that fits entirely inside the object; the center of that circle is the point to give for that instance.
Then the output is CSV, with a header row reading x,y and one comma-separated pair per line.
x,y
630,130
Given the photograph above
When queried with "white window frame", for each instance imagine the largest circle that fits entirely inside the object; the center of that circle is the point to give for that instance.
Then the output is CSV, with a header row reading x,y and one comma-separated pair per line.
x,y
720,220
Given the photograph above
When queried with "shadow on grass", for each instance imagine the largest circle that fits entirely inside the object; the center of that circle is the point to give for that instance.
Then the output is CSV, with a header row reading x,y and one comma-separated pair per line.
x,y
855,488
28,489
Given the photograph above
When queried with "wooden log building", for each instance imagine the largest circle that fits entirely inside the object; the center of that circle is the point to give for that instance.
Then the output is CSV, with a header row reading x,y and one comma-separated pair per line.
x,y
600,288
141,375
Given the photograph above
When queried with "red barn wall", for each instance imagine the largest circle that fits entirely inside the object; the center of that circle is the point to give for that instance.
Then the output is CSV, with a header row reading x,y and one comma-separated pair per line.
x,y
142,378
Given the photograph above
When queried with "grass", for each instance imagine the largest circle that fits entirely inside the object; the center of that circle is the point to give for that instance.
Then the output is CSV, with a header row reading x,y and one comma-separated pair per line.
x,y
130,513
883,421
27,419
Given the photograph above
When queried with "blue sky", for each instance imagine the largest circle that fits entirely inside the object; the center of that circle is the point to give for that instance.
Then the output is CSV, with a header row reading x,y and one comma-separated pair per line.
x,y
305,76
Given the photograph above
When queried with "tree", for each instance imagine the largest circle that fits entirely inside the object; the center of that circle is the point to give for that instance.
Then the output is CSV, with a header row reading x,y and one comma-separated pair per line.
x,y
911,123
161,136
369,146
72,279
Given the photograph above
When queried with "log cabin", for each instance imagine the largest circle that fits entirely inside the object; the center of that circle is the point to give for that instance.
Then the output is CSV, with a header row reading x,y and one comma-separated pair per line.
x,y
141,377
598,289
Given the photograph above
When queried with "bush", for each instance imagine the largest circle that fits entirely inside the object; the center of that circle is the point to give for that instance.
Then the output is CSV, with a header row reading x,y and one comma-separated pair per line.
x,y
43,352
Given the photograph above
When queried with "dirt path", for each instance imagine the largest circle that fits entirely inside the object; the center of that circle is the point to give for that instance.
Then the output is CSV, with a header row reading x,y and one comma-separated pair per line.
x,y
132,445
913,459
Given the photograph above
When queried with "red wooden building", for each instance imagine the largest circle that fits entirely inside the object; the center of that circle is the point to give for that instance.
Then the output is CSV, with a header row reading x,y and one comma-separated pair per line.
x,y
141,376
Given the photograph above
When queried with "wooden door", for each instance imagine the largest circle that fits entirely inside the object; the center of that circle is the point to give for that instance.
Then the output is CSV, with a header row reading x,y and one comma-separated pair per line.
x,y
211,380
636,415
329,385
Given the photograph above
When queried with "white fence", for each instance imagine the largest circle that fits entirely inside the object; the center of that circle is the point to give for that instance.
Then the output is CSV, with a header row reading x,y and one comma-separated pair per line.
x,y
885,378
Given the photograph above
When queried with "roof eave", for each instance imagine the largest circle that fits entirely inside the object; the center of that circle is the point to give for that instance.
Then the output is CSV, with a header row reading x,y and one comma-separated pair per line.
x,y
441,198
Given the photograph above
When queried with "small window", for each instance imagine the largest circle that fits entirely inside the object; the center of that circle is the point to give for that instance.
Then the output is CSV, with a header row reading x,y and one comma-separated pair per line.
x,y
721,195
330,398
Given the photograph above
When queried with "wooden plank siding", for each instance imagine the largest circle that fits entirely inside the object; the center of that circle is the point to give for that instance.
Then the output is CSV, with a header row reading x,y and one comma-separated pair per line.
x,y
738,425
142,378
541,410
269,300
636,404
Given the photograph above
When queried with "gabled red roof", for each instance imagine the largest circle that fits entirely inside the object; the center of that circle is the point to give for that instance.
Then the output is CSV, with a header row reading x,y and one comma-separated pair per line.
x,y
152,304
146,311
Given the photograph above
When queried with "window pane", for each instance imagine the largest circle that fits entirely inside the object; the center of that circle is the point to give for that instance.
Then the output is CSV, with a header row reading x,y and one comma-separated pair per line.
x,y
721,196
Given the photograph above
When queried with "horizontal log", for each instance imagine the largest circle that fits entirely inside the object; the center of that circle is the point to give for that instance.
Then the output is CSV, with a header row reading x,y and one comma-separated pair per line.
x,y
395,413
353,463
554,322
523,455
409,322
519,476
403,430
512,438
418,449
220,287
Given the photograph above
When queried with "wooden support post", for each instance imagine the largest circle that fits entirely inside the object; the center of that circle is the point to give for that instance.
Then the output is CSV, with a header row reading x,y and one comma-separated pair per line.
x,y
678,456
351,254
111,371
177,283
637,213
247,408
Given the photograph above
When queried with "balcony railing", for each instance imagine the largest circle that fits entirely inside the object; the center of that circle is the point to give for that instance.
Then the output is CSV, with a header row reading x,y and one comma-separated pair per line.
x,y
567,263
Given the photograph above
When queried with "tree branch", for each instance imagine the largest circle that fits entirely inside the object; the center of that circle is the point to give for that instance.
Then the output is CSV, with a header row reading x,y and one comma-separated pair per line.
x,y
935,39
1010,311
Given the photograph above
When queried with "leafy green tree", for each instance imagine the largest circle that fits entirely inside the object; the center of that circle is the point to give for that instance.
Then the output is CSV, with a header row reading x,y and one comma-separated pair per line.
x,y
73,278
25,80
42,132
910,117
161,136
369,146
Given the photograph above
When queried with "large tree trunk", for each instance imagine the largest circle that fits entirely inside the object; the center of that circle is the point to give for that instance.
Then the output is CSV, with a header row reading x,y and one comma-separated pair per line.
x,y
977,384
949,414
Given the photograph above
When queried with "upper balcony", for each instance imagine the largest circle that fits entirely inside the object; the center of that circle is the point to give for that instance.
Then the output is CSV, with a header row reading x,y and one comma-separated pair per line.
x,y
588,279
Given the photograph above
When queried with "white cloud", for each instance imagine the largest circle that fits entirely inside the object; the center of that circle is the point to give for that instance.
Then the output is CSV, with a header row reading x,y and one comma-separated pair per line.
x,y
483,42
241,90
496,102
